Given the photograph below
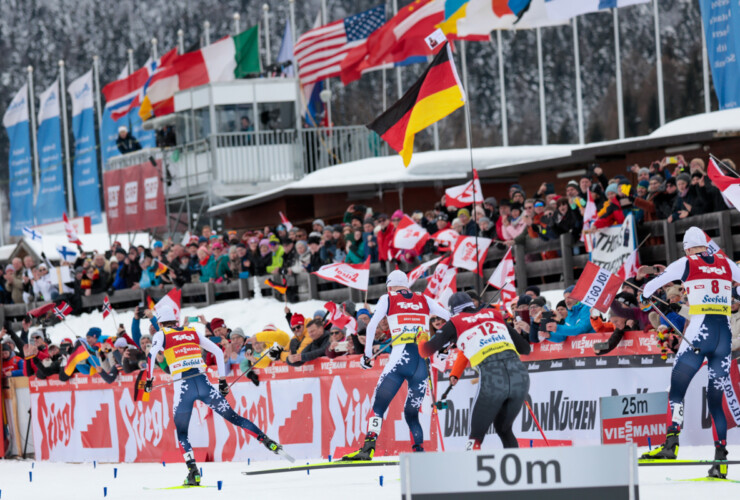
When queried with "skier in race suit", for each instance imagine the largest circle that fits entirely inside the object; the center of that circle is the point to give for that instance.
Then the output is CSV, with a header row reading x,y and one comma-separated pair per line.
x,y
493,349
708,282
182,351
408,314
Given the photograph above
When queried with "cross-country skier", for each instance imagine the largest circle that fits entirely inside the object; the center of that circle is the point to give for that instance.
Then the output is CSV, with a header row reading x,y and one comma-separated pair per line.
x,y
182,352
493,350
407,313
708,282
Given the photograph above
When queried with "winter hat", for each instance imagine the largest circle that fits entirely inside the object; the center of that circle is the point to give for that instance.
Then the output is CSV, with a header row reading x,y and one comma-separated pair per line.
x,y
574,184
463,211
561,304
539,301
362,311
484,219
643,170
349,307
166,314
694,237
38,334
524,300
683,177
238,332
120,342
265,241
314,239
533,288
643,184
8,347
94,332
319,314
490,201
398,214
120,250
569,289
297,319
319,222
397,278
612,188
217,323
157,244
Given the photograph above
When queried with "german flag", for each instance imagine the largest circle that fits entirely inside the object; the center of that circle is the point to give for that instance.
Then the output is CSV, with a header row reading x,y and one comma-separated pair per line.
x,y
149,303
79,355
139,393
278,288
435,95
161,269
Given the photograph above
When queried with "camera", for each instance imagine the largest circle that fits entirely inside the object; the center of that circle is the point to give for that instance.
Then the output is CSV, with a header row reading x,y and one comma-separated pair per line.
x,y
547,317
341,346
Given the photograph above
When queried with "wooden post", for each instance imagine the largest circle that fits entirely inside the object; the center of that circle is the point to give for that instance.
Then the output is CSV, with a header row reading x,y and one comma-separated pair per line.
x,y
566,253
669,235
210,294
243,288
725,233
313,287
520,269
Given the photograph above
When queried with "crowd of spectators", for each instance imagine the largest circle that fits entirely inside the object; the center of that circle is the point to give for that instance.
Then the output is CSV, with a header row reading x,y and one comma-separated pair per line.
x,y
669,189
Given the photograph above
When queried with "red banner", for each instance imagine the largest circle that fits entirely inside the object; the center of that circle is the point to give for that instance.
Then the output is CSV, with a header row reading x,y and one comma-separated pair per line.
x,y
134,198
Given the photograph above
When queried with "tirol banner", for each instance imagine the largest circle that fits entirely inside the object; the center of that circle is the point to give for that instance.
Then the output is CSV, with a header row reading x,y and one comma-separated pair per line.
x,y
134,198
86,180
16,123
314,410
50,202
722,32
612,246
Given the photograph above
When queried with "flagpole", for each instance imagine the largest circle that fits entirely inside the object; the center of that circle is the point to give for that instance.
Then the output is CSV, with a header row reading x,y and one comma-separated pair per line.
x,y
236,18
705,69
579,93
659,64
155,53
399,84
541,74
618,67
99,107
32,101
206,33
180,41
65,137
502,90
266,20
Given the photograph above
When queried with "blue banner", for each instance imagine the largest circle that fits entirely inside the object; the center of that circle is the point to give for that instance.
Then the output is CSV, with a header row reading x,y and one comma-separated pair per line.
x,y
722,30
16,124
147,138
86,179
50,202
109,134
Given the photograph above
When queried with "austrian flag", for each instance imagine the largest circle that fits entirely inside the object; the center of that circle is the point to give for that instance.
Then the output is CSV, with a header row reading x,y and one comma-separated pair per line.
x,y
351,275
465,194
467,256
597,287
409,234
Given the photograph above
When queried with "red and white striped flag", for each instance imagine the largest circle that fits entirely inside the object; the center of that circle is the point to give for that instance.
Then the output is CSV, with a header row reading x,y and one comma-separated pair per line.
x,y
319,52
448,287
597,287
62,310
339,318
107,308
72,235
464,254
409,234
465,194
419,271
446,237
285,221
503,278
171,301
351,275
434,284
729,186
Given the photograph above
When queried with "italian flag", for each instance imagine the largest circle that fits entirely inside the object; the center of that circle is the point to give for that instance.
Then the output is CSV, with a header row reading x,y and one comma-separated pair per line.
x,y
230,58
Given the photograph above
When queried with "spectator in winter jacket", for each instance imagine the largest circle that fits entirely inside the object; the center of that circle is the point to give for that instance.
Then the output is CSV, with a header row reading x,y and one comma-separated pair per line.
x,y
385,236
577,322
355,247
611,212
12,364
126,142
319,341
314,248
469,226
277,255
688,202
337,343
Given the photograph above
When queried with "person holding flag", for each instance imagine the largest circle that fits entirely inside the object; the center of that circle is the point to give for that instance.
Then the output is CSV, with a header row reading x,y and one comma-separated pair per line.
x,y
708,281
408,314
182,352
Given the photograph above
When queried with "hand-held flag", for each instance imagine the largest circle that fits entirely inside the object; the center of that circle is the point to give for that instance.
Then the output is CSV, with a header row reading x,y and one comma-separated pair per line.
x,y
597,287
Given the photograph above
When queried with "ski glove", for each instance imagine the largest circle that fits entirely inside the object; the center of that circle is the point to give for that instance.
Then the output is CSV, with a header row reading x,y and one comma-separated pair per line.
x,y
223,387
254,378
148,385
366,363
274,352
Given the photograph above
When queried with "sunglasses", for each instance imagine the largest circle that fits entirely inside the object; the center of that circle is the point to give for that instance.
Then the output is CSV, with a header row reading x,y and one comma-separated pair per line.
x,y
296,328
336,333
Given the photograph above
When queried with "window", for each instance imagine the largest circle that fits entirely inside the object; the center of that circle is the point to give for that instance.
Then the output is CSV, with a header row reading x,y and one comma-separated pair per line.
x,y
276,116
235,118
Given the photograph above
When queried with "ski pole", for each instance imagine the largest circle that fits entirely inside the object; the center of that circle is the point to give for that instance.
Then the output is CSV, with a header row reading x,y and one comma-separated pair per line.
x,y
393,339
536,422
678,332
249,369
442,403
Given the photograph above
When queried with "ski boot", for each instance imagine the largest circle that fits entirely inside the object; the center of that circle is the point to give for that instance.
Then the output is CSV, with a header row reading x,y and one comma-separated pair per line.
x,y
270,444
669,449
366,452
193,478
720,453
418,448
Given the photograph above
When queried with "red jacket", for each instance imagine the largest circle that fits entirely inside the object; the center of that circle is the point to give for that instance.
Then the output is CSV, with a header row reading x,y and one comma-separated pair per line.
x,y
385,241
610,215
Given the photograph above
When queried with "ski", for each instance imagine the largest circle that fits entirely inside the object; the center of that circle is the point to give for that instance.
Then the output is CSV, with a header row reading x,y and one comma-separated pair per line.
x,y
706,479
181,487
324,465
644,462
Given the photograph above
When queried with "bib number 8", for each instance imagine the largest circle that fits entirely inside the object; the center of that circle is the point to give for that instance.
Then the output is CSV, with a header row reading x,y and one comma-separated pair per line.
x,y
715,286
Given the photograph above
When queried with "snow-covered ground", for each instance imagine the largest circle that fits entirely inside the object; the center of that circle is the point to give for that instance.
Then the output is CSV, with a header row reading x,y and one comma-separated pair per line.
x,y
75,481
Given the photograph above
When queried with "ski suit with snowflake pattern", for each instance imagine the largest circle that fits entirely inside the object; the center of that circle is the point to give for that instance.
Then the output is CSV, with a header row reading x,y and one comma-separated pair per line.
x,y
708,282
406,312
182,351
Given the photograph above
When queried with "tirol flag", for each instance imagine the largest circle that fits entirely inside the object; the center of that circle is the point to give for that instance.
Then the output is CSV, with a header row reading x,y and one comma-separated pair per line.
x,y
597,287
465,194
446,237
351,275
72,235
16,123
50,202
409,234
171,301
85,175
729,186
336,316
434,284
464,254
285,222
504,278
420,270
435,95
731,390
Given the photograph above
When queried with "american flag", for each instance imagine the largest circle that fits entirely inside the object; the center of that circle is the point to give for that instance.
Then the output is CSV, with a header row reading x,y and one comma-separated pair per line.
x,y
62,310
107,309
319,52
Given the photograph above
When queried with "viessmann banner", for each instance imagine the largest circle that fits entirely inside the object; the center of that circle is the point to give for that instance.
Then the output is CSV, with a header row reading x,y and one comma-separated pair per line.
x,y
134,198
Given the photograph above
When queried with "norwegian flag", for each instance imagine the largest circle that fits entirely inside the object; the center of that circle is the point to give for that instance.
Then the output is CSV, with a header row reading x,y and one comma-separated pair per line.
x,y
409,234
419,271
107,308
62,310
503,278
285,222
590,214
465,194
464,254
71,231
597,287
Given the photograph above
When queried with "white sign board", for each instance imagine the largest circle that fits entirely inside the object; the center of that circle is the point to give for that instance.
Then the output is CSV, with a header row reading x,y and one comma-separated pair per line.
x,y
556,473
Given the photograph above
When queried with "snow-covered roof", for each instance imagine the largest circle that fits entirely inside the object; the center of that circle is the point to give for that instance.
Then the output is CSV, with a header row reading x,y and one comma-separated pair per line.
x,y
450,164
727,120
